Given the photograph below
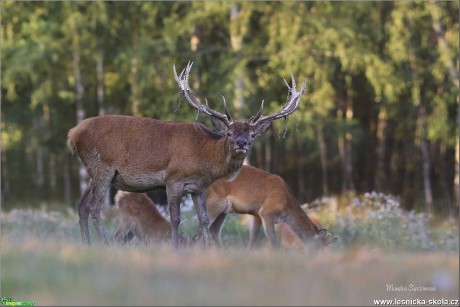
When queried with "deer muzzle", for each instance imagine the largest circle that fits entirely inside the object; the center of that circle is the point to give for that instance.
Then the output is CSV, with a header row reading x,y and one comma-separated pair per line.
x,y
241,148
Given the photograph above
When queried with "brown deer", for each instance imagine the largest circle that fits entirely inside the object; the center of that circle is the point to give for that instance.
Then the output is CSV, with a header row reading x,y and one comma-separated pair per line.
x,y
268,198
138,154
139,217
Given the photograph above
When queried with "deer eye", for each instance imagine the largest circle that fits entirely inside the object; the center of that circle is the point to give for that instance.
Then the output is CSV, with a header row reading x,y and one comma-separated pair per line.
x,y
229,133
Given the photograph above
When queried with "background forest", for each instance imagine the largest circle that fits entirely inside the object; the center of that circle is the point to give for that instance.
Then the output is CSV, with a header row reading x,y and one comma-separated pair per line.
x,y
380,114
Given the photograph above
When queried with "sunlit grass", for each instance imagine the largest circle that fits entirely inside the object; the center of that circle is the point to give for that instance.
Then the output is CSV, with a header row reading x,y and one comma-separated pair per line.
x,y
71,274
43,260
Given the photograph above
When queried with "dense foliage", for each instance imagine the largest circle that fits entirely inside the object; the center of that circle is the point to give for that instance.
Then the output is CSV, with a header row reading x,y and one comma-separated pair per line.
x,y
380,112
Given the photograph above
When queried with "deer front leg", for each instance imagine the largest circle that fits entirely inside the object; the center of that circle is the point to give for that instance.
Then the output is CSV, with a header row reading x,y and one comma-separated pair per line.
x,y
199,200
268,221
256,223
216,228
174,194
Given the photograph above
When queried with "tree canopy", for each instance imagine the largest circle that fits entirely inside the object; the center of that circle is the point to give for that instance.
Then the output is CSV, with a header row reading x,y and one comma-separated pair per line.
x,y
381,110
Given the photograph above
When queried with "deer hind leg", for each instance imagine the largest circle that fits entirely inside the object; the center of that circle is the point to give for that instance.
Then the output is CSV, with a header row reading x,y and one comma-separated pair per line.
x,y
99,187
268,221
83,213
255,227
216,228
199,200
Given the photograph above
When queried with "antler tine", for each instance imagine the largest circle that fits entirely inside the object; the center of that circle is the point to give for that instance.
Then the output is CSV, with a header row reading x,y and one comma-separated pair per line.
x,y
304,86
287,84
293,82
182,81
227,112
294,97
188,68
259,113
175,73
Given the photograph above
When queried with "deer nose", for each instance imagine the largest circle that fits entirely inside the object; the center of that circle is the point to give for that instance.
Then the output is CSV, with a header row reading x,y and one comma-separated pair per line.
x,y
241,143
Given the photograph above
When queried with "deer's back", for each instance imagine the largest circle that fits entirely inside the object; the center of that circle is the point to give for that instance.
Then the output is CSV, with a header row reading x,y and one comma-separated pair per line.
x,y
136,146
250,190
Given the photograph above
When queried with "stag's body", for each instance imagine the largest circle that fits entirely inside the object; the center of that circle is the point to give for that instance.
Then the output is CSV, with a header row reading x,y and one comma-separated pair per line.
x,y
138,154
268,198
139,217
174,151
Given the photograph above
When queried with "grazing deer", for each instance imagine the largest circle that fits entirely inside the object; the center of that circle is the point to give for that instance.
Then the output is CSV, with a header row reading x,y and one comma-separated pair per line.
x,y
268,198
139,154
139,217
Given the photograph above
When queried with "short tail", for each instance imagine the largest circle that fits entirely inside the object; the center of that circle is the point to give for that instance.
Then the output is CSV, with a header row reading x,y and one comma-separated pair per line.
x,y
71,140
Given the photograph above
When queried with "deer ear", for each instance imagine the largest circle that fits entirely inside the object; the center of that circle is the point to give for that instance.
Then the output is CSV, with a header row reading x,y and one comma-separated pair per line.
x,y
262,127
219,125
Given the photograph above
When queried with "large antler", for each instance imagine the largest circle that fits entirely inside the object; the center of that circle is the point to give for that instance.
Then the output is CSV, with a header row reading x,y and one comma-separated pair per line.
x,y
182,80
293,102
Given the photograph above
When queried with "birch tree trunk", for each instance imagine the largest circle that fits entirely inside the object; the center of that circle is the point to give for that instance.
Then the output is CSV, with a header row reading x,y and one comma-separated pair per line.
x,y
348,142
341,148
345,138
135,89
323,157
100,99
454,73
67,180
426,176
5,177
79,94
381,148
236,40
457,171
300,170
443,180
39,172
53,173
420,135
100,82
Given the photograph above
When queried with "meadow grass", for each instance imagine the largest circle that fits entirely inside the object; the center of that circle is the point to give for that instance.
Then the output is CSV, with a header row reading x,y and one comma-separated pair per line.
x,y
43,260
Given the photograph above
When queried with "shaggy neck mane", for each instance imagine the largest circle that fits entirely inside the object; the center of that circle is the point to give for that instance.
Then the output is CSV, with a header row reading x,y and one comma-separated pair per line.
x,y
229,167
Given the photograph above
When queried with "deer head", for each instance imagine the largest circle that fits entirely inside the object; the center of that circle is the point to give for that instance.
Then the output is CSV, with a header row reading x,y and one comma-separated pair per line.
x,y
239,134
324,238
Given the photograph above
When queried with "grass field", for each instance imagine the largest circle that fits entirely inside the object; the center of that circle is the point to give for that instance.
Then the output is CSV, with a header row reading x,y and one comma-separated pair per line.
x,y
42,260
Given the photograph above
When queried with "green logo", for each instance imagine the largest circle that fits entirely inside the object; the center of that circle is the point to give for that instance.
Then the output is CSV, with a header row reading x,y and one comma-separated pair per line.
x,y
8,301
5,299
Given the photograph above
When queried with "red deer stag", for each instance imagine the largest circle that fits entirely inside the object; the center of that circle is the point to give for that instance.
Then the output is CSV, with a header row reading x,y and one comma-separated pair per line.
x,y
268,198
138,154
